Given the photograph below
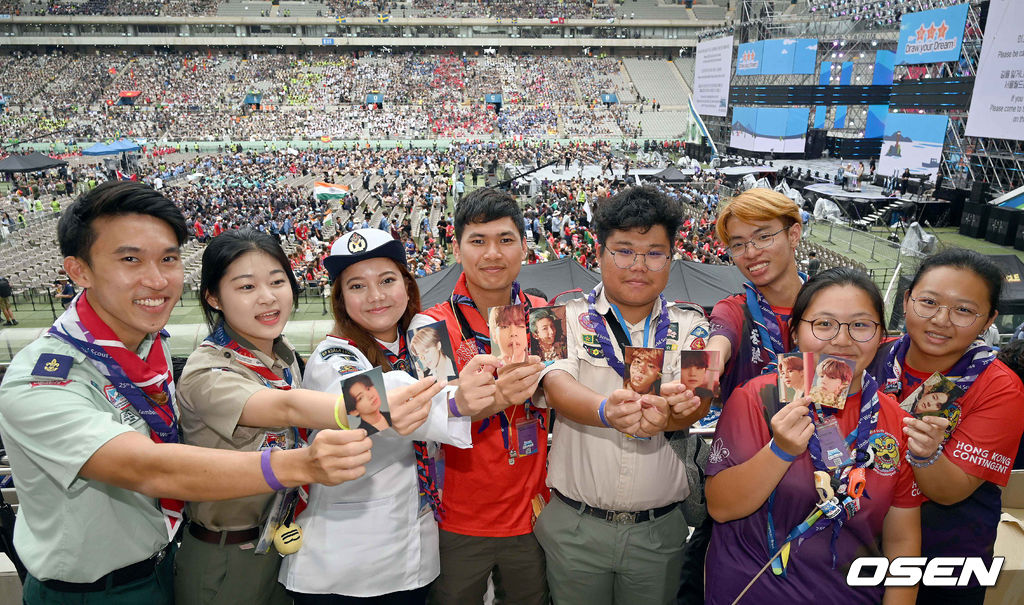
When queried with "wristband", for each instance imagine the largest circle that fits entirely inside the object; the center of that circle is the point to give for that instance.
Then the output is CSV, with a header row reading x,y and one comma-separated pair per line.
x,y
600,413
918,462
778,451
268,471
453,407
337,417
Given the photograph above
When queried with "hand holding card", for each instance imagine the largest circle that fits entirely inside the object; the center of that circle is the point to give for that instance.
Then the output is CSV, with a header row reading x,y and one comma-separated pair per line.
x,y
432,351
547,333
508,333
643,370
366,401
936,396
832,377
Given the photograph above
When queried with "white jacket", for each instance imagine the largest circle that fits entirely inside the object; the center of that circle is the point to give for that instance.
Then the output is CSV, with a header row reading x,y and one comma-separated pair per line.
x,y
370,536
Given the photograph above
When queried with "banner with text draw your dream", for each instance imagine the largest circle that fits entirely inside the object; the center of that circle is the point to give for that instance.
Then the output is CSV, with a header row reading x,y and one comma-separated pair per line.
x,y
931,36
997,106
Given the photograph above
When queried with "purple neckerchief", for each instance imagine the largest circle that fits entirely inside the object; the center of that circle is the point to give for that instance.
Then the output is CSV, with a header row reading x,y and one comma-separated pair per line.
x,y
139,400
861,436
607,348
769,331
964,372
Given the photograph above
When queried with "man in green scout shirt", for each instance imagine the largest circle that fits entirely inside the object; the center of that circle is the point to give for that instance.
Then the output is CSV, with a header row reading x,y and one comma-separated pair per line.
x,y
88,417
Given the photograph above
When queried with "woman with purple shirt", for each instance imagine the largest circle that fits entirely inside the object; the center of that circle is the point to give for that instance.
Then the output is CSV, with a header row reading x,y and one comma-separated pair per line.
x,y
789,517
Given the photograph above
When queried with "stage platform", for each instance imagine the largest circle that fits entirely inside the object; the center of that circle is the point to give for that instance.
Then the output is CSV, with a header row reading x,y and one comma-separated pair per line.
x,y
867,193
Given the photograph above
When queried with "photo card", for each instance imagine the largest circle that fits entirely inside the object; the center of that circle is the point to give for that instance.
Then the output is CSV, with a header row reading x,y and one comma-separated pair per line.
x,y
431,351
547,332
697,374
831,383
508,333
934,397
366,401
643,370
794,379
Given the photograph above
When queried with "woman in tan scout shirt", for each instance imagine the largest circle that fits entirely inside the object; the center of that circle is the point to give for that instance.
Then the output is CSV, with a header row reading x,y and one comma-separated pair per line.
x,y
237,392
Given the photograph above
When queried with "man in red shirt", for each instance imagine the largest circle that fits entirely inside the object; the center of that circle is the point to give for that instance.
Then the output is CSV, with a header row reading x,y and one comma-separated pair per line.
x,y
493,491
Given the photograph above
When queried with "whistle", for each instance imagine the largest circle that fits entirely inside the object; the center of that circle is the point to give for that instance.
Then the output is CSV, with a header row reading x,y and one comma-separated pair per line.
x,y
823,485
858,480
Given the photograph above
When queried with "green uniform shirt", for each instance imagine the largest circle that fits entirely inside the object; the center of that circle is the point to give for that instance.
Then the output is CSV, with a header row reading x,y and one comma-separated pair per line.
x,y
70,528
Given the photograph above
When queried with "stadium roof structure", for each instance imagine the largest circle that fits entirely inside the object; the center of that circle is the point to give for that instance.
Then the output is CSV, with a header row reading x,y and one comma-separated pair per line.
x,y
114,148
29,163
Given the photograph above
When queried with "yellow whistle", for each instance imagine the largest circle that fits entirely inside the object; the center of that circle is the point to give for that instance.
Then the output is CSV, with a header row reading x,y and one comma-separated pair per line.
x,y
288,539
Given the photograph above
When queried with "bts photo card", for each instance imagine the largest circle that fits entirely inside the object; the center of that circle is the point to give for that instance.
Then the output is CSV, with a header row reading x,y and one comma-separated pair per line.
x,y
431,350
831,383
696,373
794,380
508,333
643,370
935,395
366,401
547,333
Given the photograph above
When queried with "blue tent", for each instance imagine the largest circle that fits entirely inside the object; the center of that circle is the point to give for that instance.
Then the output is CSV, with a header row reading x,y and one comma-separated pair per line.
x,y
114,148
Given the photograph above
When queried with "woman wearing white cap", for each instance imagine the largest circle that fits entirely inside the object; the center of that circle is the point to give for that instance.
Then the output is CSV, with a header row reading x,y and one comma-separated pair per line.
x,y
375,539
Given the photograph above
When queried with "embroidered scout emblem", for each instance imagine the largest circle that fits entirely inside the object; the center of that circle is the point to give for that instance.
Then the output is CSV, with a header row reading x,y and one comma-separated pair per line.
x,y
51,365
356,244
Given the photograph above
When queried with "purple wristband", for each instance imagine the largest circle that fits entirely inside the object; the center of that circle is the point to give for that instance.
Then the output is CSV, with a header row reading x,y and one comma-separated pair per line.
x,y
268,471
454,407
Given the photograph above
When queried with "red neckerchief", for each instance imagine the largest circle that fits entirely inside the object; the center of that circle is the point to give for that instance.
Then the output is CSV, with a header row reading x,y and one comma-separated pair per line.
x,y
426,475
220,339
150,375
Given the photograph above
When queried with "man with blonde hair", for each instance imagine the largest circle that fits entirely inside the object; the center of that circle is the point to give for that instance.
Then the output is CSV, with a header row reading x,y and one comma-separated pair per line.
x,y
760,230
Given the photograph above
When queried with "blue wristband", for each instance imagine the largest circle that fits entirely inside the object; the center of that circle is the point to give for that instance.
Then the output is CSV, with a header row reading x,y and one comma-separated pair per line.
x,y
600,413
780,453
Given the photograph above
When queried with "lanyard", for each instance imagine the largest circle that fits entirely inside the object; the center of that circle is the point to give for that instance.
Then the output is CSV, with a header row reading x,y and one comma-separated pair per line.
x,y
603,339
622,322
166,430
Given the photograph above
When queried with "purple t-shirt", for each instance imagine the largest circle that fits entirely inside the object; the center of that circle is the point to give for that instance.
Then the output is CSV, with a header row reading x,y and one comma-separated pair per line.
x,y
739,548
748,357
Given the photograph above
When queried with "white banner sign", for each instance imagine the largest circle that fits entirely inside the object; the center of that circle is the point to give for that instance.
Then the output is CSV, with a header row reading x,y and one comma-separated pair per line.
x,y
997,106
711,76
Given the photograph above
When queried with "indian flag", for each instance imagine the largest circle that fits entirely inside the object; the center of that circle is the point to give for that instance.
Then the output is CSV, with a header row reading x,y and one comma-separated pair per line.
x,y
329,191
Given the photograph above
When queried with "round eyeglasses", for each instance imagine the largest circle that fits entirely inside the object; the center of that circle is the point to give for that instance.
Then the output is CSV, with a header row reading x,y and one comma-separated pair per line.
x,y
861,330
655,260
960,315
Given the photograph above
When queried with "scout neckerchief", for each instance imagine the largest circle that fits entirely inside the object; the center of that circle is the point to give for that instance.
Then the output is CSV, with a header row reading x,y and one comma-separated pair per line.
x,y
147,384
461,302
219,339
859,439
964,372
768,329
425,475
618,326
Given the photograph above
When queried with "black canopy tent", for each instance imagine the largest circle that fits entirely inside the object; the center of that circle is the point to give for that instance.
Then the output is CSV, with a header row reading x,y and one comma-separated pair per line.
x,y
698,283
551,278
703,284
29,163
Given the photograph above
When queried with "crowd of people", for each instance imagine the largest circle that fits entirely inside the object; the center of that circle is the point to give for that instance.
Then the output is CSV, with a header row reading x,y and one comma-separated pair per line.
x,y
195,96
251,447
